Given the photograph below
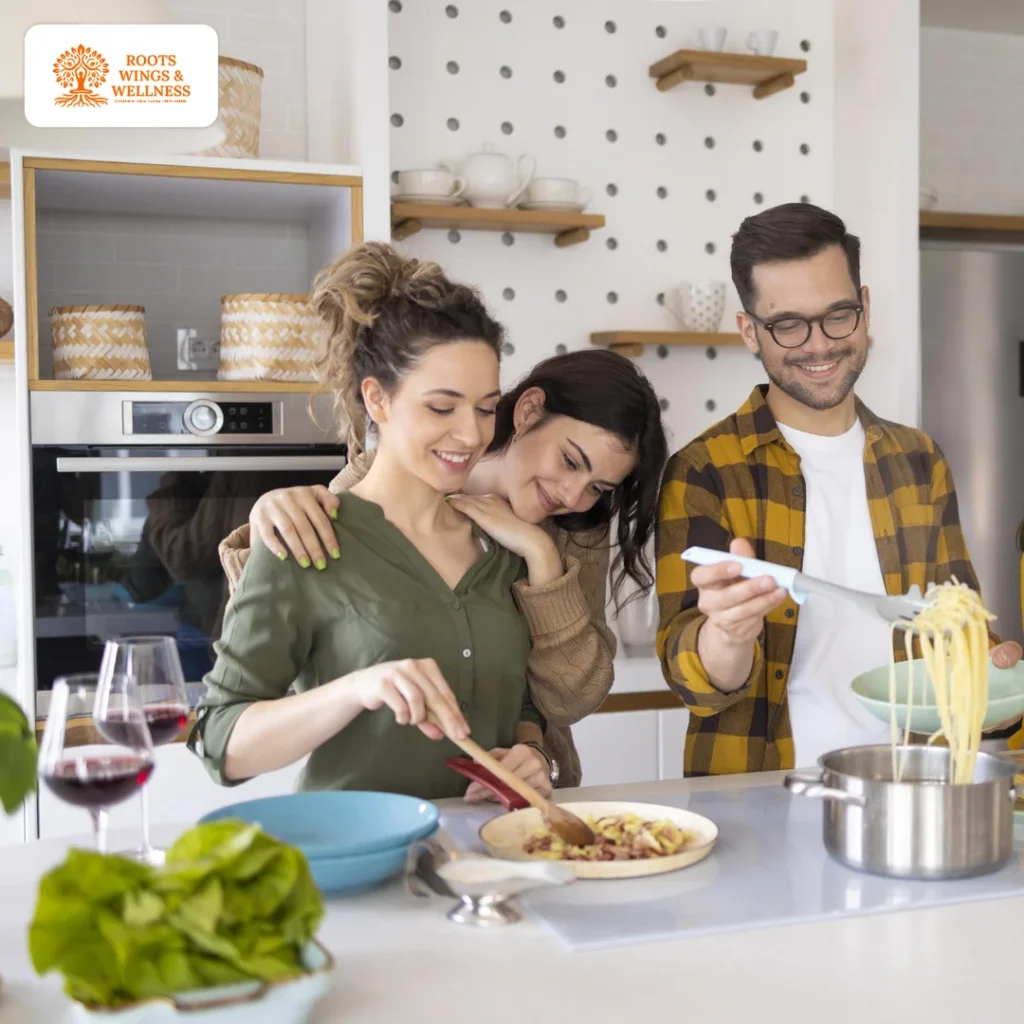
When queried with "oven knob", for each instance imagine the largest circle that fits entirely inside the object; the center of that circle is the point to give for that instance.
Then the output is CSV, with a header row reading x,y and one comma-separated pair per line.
x,y
203,417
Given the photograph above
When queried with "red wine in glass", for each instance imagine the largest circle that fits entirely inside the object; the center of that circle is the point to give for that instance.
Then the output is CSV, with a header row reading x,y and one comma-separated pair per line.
x,y
95,776
97,781
165,722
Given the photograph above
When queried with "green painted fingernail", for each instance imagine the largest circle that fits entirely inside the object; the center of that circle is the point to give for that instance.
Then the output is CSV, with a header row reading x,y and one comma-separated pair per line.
x,y
281,555
334,513
304,562
335,553
321,563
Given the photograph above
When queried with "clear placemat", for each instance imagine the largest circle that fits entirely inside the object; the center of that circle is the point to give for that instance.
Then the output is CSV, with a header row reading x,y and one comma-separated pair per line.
x,y
769,867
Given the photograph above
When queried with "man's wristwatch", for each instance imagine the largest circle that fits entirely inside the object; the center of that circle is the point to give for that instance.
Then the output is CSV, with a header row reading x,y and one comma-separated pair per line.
x,y
554,772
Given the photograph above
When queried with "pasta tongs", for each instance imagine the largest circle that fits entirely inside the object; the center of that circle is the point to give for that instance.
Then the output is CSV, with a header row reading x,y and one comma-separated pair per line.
x,y
891,608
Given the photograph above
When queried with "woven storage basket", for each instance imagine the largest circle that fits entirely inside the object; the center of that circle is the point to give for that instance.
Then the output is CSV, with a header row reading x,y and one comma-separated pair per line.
x,y
241,95
268,337
100,343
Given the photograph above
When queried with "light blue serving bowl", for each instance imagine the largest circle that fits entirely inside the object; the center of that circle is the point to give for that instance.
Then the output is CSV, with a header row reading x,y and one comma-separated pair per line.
x,y
338,823
337,876
1005,695
249,1002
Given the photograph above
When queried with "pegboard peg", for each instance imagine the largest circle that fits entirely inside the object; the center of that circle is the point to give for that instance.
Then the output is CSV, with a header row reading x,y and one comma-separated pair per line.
x,y
571,237
772,86
671,80
405,229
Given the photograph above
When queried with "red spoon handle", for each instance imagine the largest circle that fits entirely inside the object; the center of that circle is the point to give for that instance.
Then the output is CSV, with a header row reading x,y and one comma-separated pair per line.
x,y
509,799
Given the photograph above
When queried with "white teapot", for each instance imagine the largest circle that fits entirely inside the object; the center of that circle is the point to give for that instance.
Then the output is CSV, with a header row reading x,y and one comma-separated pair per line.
x,y
492,180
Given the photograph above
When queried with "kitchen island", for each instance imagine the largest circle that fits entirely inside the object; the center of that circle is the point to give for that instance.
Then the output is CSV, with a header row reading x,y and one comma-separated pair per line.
x,y
399,959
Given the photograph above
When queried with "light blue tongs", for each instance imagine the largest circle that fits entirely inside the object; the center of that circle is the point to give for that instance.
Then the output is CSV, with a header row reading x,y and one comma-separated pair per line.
x,y
892,609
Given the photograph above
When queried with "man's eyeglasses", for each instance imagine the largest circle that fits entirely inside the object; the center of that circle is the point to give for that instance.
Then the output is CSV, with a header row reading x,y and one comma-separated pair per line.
x,y
793,331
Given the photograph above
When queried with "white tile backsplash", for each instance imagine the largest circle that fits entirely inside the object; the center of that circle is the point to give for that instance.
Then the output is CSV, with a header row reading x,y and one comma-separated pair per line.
x,y
270,34
972,138
177,269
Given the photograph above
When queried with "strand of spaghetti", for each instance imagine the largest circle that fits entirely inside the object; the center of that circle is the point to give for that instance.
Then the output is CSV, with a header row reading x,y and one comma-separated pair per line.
x,y
952,632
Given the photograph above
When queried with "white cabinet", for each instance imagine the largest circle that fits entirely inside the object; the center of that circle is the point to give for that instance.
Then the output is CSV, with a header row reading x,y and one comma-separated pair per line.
x,y
180,792
671,740
620,746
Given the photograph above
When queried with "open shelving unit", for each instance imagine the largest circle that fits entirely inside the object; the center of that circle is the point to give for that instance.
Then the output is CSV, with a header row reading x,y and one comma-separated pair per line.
x,y
632,343
765,75
568,228
210,222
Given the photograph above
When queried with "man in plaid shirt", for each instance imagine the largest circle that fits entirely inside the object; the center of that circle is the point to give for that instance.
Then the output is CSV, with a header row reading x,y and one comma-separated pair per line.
x,y
805,475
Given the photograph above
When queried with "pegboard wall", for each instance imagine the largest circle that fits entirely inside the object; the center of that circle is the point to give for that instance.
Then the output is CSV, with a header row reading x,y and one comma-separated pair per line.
x,y
674,173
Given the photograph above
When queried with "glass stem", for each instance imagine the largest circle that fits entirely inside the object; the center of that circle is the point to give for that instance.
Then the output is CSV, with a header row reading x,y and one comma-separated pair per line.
x,y
147,847
99,828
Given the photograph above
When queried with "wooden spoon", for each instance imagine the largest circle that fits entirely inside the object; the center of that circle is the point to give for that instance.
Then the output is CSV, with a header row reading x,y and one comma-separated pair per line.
x,y
575,831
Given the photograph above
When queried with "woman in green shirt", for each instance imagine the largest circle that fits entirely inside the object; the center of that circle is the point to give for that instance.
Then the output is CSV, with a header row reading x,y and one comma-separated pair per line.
x,y
419,617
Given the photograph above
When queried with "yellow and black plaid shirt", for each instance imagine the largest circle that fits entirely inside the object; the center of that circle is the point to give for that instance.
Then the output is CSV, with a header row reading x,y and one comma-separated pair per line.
x,y
742,479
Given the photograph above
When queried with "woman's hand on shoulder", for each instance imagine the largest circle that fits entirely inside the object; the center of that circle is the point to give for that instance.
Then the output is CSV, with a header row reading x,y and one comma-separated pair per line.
x,y
495,517
525,762
301,517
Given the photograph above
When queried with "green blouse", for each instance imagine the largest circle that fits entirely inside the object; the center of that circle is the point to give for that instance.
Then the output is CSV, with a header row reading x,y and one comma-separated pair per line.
x,y
381,601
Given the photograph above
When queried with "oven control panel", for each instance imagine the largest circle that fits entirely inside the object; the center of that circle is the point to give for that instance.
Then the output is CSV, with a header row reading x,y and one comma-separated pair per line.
x,y
203,417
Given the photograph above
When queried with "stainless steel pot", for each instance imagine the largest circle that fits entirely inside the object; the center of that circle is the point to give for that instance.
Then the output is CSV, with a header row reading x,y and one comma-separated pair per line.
x,y
921,827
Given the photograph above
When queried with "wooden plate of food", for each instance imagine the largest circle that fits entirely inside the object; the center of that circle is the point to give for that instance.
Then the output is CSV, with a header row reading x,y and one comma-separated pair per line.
x,y
634,839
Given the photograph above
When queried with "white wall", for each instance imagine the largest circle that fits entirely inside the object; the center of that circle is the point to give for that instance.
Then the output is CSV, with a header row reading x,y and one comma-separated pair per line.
x,y
972,144
876,186
425,96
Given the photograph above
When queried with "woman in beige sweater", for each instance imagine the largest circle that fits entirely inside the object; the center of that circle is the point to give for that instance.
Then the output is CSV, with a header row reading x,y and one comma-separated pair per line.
x,y
573,470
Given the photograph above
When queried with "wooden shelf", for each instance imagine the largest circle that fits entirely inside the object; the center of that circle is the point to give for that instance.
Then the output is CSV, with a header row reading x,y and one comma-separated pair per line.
x,y
5,181
949,221
767,75
631,343
568,228
6,351
214,387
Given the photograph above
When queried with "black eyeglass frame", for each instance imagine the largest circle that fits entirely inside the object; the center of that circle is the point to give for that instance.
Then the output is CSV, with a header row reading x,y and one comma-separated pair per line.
x,y
857,308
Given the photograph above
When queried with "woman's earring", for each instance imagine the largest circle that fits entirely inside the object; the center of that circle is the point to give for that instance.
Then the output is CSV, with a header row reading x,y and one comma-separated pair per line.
x,y
515,437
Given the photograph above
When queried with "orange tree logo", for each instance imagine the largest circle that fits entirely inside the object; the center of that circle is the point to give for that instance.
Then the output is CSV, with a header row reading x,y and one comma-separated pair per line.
x,y
81,70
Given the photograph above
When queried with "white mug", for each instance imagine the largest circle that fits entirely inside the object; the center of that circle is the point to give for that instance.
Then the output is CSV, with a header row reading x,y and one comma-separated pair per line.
x,y
712,37
697,307
430,183
557,190
762,41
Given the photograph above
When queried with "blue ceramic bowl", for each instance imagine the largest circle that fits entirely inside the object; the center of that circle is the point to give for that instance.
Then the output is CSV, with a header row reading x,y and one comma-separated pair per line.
x,y
338,823
337,875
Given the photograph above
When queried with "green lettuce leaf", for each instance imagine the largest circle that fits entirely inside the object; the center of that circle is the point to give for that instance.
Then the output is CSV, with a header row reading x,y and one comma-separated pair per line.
x,y
231,904
18,754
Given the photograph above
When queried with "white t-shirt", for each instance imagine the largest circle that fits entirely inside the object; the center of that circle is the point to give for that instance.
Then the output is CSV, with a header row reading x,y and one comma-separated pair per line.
x,y
835,642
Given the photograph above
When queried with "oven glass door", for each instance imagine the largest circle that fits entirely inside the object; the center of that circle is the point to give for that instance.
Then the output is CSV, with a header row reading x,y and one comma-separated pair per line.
x,y
126,543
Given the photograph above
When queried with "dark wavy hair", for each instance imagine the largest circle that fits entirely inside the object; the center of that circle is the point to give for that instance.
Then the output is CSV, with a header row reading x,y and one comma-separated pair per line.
x,y
606,389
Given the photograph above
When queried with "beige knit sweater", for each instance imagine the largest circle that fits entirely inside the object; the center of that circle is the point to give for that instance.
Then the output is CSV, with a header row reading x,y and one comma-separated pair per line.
x,y
571,652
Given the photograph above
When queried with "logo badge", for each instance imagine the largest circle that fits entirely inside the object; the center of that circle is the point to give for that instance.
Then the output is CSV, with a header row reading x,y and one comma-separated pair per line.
x,y
121,76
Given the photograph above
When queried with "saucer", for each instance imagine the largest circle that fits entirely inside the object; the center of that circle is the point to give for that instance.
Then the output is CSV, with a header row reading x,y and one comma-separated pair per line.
x,y
429,200
552,206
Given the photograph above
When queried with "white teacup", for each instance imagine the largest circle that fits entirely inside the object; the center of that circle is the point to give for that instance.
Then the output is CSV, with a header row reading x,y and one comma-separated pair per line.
x,y
762,41
698,307
430,183
557,190
712,37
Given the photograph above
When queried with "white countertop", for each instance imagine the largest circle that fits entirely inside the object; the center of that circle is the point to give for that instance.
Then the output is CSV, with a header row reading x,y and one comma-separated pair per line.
x,y
398,958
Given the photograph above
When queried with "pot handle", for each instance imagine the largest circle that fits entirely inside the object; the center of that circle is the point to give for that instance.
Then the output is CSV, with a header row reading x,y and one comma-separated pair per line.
x,y
810,785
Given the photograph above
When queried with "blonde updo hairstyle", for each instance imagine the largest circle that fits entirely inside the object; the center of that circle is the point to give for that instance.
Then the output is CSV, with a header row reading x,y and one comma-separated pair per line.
x,y
380,312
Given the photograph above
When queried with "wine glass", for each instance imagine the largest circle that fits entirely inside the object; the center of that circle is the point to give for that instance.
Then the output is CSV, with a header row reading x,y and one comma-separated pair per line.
x,y
91,775
153,669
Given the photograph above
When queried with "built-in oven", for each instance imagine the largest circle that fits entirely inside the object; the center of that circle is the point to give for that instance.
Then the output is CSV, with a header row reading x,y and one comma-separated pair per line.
x,y
131,495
